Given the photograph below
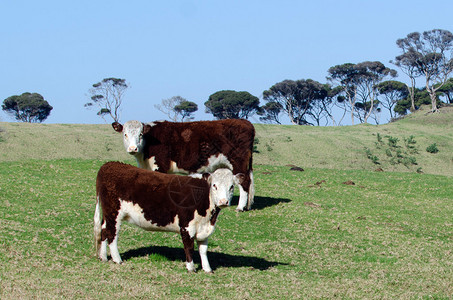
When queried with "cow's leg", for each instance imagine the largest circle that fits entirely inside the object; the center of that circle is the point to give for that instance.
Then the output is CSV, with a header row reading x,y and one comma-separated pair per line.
x,y
114,243
103,251
188,249
203,250
114,250
109,235
103,247
246,192
243,196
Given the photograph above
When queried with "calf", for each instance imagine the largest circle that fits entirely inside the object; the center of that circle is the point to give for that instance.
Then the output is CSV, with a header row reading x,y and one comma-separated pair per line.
x,y
159,202
194,147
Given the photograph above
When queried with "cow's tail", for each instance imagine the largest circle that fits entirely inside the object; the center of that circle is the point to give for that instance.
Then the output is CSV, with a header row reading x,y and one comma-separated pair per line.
x,y
251,191
251,194
97,226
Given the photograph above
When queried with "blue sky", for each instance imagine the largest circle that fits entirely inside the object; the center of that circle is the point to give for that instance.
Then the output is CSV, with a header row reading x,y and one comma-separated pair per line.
x,y
192,48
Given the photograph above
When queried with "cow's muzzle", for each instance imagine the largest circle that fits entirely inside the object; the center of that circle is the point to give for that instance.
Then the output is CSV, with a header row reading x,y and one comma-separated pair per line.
x,y
132,149
223,203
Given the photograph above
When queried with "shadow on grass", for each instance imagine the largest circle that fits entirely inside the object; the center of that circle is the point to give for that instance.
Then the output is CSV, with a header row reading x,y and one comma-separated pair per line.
x,y
215,259
261,202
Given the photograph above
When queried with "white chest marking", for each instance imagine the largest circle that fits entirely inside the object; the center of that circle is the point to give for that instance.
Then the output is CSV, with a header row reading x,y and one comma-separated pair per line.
x,y
146,163
200,227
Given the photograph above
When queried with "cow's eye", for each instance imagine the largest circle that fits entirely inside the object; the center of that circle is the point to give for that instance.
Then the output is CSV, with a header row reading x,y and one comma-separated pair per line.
x,y
125,135
214,186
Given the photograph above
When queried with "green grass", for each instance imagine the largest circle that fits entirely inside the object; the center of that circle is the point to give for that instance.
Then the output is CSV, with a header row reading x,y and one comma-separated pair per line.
x,y
310,235
387,236
60,141
344,147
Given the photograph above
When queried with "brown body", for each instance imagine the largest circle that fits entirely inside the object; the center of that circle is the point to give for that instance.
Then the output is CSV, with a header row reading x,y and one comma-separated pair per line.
x,y
155,202
197,147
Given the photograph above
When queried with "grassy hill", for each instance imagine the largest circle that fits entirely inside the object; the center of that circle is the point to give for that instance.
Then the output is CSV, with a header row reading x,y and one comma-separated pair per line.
x,y
337,230
344,147
308,147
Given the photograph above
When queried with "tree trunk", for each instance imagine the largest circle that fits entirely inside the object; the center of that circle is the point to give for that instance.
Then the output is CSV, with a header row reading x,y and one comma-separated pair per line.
x,y
368,114
390,110
412,93
432,95
352,103
344,114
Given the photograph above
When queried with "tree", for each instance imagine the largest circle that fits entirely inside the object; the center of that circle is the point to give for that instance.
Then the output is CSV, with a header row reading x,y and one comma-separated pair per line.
x,y
393,91
177,106
229,104
407,63
270,112
346,76
359,82
433,58
334,98
185,109
107,95
322,108
296,98
421,97
168,105
371,73
28,107
447,91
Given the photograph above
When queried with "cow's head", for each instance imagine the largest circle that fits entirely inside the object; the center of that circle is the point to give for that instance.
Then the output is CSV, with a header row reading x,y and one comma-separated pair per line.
x,y
222,185
133,132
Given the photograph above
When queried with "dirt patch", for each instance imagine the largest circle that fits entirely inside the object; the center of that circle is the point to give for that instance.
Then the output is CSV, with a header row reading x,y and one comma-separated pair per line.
x,y
311,204
318,184
297,169
349,182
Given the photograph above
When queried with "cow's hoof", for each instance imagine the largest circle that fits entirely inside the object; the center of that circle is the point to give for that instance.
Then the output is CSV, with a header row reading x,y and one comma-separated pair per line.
x,y
190,267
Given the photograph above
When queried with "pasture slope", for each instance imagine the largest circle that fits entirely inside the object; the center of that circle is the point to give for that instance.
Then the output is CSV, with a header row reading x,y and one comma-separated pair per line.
x,y
340,148
383,235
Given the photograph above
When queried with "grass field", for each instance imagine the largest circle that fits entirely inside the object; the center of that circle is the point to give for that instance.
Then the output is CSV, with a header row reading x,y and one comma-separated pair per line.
x,y
387,236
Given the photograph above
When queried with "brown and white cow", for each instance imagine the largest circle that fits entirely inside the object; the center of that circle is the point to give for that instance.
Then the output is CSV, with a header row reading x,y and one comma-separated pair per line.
x,y
194,147
159,202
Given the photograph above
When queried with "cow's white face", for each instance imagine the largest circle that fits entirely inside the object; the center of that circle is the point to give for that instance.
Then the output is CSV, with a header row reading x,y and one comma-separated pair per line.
x,y
133,137
222,186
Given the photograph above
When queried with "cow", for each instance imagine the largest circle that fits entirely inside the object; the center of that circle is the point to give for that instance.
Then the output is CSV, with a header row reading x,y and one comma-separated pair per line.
x,y
194,147
159,202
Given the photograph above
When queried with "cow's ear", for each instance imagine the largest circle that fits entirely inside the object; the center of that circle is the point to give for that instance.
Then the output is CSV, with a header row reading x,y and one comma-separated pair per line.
x,y
146,128
207,177
239,178
117,127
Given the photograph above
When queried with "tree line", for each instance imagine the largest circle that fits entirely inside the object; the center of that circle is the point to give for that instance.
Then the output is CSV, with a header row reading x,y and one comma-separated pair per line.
x,y
357,90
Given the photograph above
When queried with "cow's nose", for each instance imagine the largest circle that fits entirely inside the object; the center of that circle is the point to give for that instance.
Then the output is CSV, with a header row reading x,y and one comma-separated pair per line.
x,y
132,149
223,202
